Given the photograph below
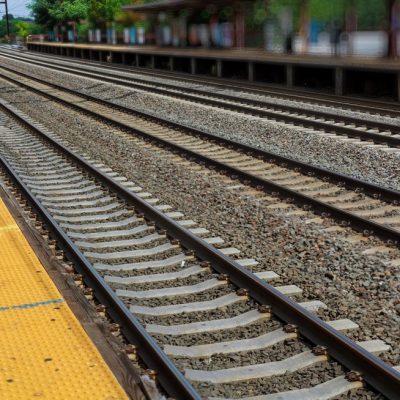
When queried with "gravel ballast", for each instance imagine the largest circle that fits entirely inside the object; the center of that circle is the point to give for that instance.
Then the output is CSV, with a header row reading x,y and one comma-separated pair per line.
x,y
181,84
368,163
353,285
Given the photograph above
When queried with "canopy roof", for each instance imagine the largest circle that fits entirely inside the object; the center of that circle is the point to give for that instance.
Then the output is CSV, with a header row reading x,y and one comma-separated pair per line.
x,y
162,5
166,5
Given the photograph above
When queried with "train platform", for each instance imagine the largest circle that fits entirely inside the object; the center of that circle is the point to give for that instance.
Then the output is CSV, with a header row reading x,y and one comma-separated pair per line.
x,y
370,77
44,351
255,55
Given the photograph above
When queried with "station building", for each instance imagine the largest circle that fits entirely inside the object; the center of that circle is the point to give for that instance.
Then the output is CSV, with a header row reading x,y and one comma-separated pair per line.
x,y
261,41
272,25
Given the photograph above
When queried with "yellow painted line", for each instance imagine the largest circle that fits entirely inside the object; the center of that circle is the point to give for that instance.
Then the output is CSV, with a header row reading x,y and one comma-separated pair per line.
x,y
44,351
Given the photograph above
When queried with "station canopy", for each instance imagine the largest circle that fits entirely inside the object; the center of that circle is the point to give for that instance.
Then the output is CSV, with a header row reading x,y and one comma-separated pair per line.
x,y
167,5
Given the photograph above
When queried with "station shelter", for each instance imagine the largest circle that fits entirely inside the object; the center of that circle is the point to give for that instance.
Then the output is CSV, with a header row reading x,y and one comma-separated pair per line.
x,y
272,25
184,23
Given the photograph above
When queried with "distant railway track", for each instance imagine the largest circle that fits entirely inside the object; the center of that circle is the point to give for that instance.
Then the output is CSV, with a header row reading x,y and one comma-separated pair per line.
x,y
105,227
369,208
324,121
308,97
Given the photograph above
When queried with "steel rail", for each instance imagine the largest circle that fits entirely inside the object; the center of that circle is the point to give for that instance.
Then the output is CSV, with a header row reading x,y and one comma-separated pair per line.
x,y
359,223
170,378
306,96
379,375
244,106
351,183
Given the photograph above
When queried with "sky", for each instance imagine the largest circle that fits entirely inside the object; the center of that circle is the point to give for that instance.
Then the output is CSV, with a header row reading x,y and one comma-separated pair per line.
x,y
18,8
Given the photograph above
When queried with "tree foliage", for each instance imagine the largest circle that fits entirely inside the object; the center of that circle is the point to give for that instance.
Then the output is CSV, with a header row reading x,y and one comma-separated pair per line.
x,y
18,26
22,28
103,11
96,12
69,10
42,11
371,13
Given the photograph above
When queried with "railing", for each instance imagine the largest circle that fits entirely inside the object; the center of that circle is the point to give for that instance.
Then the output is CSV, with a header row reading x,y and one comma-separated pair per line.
x,y
36,38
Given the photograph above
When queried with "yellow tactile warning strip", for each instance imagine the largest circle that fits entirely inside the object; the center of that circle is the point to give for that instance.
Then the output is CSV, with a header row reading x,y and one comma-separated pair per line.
x,y
44,351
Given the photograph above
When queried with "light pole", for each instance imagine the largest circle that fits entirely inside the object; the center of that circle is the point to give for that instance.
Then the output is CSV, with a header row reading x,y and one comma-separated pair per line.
x,y
7,20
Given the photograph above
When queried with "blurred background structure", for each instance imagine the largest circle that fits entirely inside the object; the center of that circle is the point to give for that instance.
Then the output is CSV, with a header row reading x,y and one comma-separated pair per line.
x,y
340,27
318,27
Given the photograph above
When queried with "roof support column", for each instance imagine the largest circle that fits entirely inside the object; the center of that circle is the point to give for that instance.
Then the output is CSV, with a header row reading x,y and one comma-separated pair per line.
x,y
289,75
339,81
193,66
393,24
350,24
304,24
219,68
239,27
250,68
398,86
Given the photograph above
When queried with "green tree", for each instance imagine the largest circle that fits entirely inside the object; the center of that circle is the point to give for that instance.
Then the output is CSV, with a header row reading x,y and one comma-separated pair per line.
x,y
372,14
42,11
327,10
69,10
101,12
19,26
23,29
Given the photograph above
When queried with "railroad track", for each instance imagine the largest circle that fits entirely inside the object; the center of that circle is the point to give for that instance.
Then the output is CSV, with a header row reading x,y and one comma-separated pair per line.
x,y
199,303
326,122
366,207
302,96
